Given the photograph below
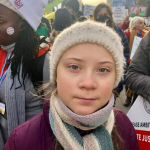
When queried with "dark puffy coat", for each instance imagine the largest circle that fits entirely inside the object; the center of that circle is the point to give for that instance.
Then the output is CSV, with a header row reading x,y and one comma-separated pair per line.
x,y
36,134
124,41
138,76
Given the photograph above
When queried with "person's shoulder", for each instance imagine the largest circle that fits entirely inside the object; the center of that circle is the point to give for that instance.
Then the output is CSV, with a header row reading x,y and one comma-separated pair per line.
x,y
125,130
145,44
116,110
26,134
146,35
32,123
122,122
118,28
127,31
44,46
120,116
33,134
27,128
120,32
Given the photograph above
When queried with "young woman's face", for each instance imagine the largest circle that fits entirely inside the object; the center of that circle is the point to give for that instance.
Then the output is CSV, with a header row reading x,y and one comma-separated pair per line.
x,y
103,11
140,25
8,19
85,78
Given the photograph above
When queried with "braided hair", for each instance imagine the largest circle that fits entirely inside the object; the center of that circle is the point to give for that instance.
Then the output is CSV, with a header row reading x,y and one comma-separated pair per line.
x,y
27,45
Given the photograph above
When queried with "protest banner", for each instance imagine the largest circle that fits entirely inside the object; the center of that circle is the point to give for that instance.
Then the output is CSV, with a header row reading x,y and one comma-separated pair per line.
x,y
135,45
126,3
118,13
146,21
126,12
88,10
49,16
52,4
139,115
138,11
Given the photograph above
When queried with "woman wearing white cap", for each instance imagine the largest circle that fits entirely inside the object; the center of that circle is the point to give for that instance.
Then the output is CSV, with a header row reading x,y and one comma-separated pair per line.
x,y
24,59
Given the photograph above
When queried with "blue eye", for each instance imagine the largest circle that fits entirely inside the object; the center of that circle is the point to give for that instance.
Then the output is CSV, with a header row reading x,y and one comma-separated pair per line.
x,y
102,70
74,67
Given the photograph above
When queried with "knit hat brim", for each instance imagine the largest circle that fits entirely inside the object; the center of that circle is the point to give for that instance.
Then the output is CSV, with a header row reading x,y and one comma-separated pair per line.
x,y
89,32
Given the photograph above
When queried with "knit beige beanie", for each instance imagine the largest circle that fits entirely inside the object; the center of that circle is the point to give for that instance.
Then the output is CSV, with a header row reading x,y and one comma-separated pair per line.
x,y
91,32
7,4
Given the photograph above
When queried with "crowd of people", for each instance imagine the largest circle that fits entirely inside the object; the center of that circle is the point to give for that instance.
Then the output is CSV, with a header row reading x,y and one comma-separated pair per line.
x,y
59,82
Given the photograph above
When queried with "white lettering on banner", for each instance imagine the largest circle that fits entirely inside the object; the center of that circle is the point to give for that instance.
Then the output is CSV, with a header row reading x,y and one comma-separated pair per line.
x,y
135,45
138,114
141,124
88,10
144,138
139,136
140,118
118,13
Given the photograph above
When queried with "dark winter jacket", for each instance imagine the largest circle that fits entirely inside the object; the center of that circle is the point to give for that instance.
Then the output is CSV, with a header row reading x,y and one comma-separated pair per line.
x,y
36,134
138,76
124,41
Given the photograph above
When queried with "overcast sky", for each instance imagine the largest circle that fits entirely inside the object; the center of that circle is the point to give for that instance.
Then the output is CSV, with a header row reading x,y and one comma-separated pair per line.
x,y
92,2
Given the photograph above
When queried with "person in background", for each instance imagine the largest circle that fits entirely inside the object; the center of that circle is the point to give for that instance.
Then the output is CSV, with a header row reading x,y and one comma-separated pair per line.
x,y
138,76
63,20
119,23
73,7
45,21
147,28
104,10
24,63
136,28
79,115
43,30
82,18
125,24
103,13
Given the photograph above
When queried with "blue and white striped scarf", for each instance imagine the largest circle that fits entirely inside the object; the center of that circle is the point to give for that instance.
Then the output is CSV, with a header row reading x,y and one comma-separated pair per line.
x,y
64,123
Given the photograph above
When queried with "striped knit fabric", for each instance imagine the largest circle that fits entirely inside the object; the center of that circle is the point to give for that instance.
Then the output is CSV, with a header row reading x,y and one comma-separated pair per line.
x,y
64,126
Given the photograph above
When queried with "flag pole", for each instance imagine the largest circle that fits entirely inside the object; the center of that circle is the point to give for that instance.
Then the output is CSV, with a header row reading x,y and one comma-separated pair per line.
x,y
134,7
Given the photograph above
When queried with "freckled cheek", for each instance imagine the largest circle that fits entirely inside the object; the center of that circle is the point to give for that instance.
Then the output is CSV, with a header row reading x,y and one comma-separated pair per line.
x,y
65,84
107,87
107,90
